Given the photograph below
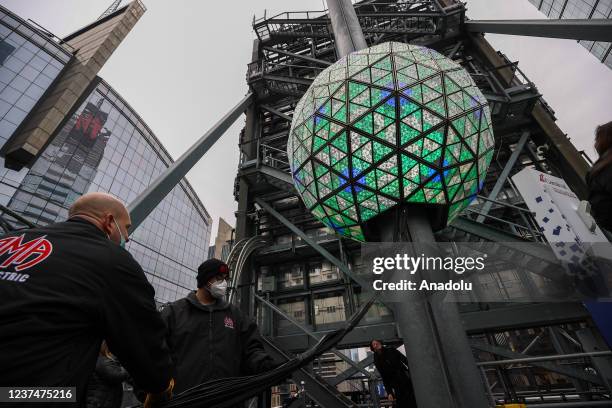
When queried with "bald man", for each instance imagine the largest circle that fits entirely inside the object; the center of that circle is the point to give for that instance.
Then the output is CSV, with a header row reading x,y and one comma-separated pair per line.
x,y
66,287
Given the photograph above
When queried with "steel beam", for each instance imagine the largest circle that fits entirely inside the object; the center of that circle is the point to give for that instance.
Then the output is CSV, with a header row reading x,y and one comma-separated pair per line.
x,y
513,357
465,380
523,316
316,388
429,371
351,371
417,327
299,56
499,184
281,176
573,29
360,336
601,362
576,404
326,254
277,113
146,202
560,343
289,80
533,359
310,333
345,24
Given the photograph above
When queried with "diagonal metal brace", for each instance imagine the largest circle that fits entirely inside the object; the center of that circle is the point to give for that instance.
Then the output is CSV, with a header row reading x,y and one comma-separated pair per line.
x,y
349,372
325,253
309,333
567,371
299,56
146,202
573,29
276,112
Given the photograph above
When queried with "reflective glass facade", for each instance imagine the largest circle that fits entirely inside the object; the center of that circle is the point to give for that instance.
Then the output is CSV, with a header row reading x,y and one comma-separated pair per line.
x,y
597,9
105,146
29,63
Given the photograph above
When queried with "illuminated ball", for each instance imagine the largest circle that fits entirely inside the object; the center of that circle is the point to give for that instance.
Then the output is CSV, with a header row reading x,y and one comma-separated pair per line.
x,y
389,124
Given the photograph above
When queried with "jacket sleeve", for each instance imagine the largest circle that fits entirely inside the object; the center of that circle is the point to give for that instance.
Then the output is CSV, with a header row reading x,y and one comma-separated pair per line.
x,y
385,378
110,370
255,360
133,329
168,317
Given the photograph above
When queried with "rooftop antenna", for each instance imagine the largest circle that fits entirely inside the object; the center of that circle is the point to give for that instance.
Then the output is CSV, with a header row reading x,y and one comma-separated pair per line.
x,y
111,9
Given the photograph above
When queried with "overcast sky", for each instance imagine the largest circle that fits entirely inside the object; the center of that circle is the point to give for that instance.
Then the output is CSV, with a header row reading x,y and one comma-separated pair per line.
x,y
183,66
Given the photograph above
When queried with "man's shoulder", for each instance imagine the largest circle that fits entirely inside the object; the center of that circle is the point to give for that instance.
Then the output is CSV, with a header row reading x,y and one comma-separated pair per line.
x,y
176,305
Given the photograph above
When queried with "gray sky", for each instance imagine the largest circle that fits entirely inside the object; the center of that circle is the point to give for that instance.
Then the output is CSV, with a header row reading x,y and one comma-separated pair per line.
x,y
183,66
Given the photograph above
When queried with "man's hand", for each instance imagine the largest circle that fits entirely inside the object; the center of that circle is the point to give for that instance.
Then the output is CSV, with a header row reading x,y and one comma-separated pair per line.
x,y
154,400
391,397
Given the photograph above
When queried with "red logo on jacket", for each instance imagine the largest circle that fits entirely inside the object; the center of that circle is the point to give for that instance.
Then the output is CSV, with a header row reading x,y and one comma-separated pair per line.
x,y
228,322
24,255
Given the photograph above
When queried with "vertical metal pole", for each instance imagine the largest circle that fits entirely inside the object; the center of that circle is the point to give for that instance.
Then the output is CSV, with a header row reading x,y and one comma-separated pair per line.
x,y
603,365
418,331
489,388
414,317
466,383
499,184
347,31
561,346
249,148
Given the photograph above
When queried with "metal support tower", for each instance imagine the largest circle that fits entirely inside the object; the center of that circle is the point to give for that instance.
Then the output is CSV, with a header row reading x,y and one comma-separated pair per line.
x,y
428,328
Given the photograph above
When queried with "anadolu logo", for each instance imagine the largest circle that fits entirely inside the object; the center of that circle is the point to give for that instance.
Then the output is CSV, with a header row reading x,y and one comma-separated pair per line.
x,y
228,322
24,255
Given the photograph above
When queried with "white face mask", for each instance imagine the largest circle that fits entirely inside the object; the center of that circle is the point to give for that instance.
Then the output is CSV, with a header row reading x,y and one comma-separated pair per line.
x,y
218,289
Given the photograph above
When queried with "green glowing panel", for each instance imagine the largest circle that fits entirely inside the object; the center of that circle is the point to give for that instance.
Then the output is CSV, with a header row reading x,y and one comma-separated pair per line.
x,y
390,124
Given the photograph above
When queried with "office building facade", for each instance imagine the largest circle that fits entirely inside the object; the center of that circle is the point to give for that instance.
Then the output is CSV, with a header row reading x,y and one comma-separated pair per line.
x,y
587,9
223,241
101,144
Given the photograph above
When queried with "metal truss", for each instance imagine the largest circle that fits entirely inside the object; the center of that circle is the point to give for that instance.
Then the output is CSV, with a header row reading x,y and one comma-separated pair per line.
x,y
573,29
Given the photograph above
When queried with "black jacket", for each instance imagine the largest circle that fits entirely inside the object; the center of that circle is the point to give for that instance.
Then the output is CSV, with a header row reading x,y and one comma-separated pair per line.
x,y
105,388
74,289
212,342
600,197
393,368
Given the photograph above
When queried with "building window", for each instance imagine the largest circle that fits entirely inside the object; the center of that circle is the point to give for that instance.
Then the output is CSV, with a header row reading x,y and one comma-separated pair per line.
x,y
329,309
5,50
321,272
295,309
290,276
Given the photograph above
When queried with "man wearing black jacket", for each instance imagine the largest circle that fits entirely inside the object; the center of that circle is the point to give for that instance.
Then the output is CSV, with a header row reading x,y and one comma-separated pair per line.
x,y
68,286
393,368
209,338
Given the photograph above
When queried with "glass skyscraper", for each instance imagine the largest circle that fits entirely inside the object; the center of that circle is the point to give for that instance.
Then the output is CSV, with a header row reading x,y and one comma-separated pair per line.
x,y
587,9
102,145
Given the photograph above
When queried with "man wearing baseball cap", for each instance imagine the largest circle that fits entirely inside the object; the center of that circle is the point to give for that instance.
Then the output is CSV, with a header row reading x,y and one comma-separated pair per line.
x,y
209,338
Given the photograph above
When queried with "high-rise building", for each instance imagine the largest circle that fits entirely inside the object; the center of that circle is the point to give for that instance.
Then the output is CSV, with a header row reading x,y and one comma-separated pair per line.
x,y
587,9
223,241
64,132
